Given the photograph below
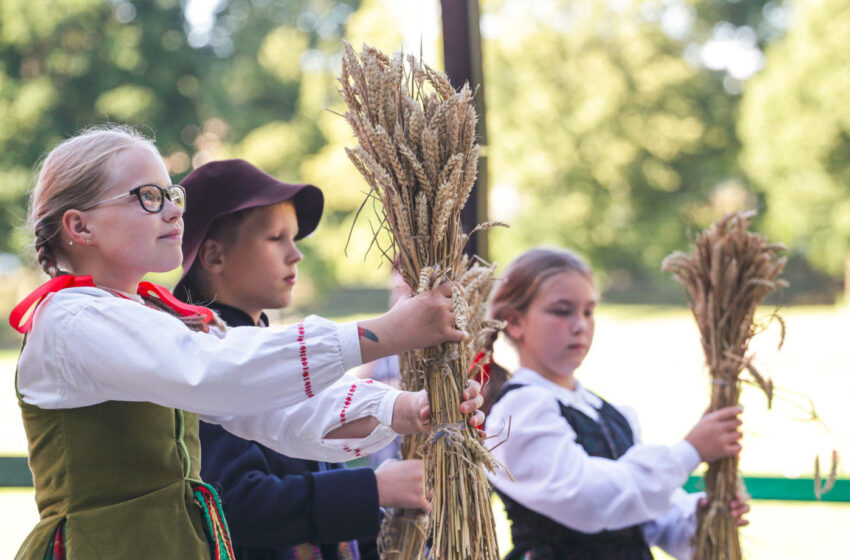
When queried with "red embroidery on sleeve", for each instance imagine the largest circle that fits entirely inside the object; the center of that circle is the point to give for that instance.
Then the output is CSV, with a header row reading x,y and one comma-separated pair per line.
x,y
305,366
349,450
347,403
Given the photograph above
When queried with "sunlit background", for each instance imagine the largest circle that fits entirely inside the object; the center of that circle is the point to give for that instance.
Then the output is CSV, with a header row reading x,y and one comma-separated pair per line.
x,y
615,127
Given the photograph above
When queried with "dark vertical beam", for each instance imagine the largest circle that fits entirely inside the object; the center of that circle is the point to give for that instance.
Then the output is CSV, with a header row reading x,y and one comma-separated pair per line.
x,y
463,62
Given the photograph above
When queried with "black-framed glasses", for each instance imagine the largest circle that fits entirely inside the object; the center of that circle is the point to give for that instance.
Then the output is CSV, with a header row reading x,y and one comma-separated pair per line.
x,y
152,197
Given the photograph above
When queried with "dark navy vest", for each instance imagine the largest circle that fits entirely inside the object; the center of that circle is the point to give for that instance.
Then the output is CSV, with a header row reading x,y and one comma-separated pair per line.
x,y
537,537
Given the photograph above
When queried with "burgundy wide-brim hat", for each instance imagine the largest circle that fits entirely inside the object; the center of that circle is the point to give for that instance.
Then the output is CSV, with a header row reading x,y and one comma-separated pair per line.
x,y
219,188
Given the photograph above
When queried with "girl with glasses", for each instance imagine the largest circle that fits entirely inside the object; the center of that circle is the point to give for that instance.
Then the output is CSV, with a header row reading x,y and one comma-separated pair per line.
x,y
115,372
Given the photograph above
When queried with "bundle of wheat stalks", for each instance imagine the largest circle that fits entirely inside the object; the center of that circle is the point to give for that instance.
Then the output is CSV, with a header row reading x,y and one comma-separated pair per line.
x,y
477,283
404,531
727,274
418,153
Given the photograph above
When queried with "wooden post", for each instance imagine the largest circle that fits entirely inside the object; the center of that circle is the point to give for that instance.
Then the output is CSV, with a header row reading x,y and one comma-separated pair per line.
x,y
462,53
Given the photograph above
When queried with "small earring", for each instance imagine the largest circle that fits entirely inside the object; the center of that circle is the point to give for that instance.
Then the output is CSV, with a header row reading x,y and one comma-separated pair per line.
x,y
88,241
70,243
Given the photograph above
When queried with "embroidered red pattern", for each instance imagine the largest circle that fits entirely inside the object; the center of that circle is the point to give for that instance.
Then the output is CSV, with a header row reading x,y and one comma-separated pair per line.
x,y
349,450
347,403
305,366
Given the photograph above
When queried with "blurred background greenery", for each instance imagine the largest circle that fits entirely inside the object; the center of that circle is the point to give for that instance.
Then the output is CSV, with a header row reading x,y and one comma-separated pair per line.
x,y
617,127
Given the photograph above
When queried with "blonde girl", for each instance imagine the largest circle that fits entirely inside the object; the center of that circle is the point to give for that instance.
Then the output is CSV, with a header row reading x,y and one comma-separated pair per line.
x,y
115,372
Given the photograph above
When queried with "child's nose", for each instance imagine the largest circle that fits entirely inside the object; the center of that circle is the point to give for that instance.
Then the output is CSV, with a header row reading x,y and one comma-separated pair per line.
x,y
171,211
580,325
294,256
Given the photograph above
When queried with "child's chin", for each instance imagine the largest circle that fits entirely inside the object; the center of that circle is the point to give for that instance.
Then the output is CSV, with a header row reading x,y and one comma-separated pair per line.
x,y
165,266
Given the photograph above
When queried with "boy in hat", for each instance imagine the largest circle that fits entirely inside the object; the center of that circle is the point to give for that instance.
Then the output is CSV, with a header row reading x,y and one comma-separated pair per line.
x,y
240,258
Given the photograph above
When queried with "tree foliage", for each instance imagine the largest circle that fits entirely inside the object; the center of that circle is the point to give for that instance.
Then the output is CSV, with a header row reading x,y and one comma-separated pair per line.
x,y
607,138
70,64
606,132
795,124
254,85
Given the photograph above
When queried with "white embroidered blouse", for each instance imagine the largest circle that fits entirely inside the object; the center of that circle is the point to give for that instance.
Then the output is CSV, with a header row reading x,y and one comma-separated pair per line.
x,y
285,389
554,476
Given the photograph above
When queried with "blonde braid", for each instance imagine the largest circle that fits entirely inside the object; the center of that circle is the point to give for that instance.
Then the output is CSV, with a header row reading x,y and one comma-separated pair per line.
x,y
44,253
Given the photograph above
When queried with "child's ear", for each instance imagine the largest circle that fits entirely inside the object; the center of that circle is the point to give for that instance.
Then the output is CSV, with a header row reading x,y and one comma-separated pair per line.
x,y
515,327
76,226
211,255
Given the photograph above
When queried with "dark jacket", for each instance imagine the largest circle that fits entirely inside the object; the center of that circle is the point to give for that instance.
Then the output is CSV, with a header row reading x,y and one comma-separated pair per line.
x,y
273,502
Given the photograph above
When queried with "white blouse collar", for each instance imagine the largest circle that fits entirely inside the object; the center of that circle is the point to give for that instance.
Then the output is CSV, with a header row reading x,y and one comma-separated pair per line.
x,y
98,291
128,295
580,398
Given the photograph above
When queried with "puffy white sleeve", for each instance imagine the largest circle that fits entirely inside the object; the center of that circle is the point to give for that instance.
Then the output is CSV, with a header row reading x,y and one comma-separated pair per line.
x,y
557,478
84,350
674,530
300,430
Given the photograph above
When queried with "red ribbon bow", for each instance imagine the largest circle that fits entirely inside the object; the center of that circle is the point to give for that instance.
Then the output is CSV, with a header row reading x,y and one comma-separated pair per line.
x,y
27,306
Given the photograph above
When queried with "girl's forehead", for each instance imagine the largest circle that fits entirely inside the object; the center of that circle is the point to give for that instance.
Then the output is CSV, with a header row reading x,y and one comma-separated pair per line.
x,y
570,284
138,165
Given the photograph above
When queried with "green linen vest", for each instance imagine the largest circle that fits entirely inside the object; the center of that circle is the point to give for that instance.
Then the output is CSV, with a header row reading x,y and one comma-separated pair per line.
x,y
119,474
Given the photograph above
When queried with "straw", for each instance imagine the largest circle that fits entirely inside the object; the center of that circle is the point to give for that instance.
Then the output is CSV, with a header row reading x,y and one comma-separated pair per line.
x,y
727,274
417,151
404,531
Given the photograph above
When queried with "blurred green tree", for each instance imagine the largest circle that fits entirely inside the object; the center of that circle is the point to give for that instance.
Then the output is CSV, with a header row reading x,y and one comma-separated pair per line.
x,y
604,138
253,83
608,133
329,167
65,65
795,126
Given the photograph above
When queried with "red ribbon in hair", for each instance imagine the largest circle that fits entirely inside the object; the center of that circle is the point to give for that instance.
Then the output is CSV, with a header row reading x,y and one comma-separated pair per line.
x,y
27,306
483,370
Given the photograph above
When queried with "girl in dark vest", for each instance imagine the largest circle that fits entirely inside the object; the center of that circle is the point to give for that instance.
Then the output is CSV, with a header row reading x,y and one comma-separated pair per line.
x,y
115,372
585,488
240,257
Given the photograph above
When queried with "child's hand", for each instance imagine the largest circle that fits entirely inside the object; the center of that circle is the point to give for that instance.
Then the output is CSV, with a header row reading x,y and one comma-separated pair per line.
x,y
414,322
412,412
717,433
427,319
738,507
401,484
